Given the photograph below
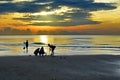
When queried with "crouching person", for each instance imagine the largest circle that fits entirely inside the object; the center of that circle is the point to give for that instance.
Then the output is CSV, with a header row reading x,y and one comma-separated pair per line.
x,y
36,51
39,51
42,52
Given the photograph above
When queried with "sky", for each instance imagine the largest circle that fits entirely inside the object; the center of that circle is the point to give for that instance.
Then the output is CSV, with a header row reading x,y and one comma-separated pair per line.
x,y
60,17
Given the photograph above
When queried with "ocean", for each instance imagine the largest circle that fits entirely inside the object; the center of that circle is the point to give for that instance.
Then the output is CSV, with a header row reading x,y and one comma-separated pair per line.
x,y
12,45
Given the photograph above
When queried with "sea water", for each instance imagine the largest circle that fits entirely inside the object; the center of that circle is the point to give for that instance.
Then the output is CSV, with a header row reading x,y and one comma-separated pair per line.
x,y
65,44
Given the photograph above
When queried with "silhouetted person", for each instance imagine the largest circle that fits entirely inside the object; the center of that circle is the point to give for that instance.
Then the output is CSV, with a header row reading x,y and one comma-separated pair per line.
x,y
36,51
41,52
26,45
51,49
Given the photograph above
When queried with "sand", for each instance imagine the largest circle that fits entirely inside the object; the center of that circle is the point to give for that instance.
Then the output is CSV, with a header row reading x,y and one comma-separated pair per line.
x,y
84,67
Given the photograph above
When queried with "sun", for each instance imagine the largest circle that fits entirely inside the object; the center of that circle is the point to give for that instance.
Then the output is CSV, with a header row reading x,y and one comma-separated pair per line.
x,y
43,13
46,13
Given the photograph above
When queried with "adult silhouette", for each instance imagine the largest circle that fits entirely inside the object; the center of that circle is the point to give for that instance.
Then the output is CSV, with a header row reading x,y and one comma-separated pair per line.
x,y
51,49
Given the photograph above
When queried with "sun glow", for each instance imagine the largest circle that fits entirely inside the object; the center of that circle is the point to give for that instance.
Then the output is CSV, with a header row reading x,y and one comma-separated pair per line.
x,y
43,13
46,13
41,21
60,11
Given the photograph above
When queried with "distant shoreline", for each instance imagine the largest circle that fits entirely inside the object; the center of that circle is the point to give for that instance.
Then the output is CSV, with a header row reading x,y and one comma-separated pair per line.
x,y
48,34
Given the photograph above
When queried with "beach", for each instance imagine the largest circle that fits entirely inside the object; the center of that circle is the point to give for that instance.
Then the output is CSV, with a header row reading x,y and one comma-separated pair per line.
x,y
77,67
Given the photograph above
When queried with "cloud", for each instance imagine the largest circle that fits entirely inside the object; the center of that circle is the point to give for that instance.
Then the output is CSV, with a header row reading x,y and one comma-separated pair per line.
x,y
54,12
36,5
11,31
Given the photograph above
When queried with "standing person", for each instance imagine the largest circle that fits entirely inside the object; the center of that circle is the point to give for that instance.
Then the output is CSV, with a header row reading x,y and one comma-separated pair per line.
x,y
26,45
51,49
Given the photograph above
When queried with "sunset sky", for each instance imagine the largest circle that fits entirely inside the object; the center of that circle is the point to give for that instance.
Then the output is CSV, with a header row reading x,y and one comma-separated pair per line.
x,y
60,17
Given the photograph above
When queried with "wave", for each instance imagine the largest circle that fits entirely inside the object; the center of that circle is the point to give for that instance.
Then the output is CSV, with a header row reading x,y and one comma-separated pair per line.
x,y
4,49
39,43
88,46
64,45
10,44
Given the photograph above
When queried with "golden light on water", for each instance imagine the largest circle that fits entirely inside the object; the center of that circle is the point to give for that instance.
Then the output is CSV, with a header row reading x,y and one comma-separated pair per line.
x,y
44,39
104,40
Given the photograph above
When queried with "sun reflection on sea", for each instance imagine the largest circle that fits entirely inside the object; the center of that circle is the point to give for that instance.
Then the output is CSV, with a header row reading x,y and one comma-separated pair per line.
x,y
44,39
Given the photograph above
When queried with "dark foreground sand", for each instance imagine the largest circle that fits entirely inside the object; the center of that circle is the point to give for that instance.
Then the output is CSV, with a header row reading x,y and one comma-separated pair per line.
x,y
89,67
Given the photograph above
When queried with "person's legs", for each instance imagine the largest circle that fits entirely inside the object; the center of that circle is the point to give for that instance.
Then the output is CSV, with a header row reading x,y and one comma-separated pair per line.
x,y
26,49
52,52
36,54
39,54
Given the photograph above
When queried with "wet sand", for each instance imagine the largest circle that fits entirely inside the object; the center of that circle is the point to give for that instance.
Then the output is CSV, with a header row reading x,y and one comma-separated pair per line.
x,y
84,67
